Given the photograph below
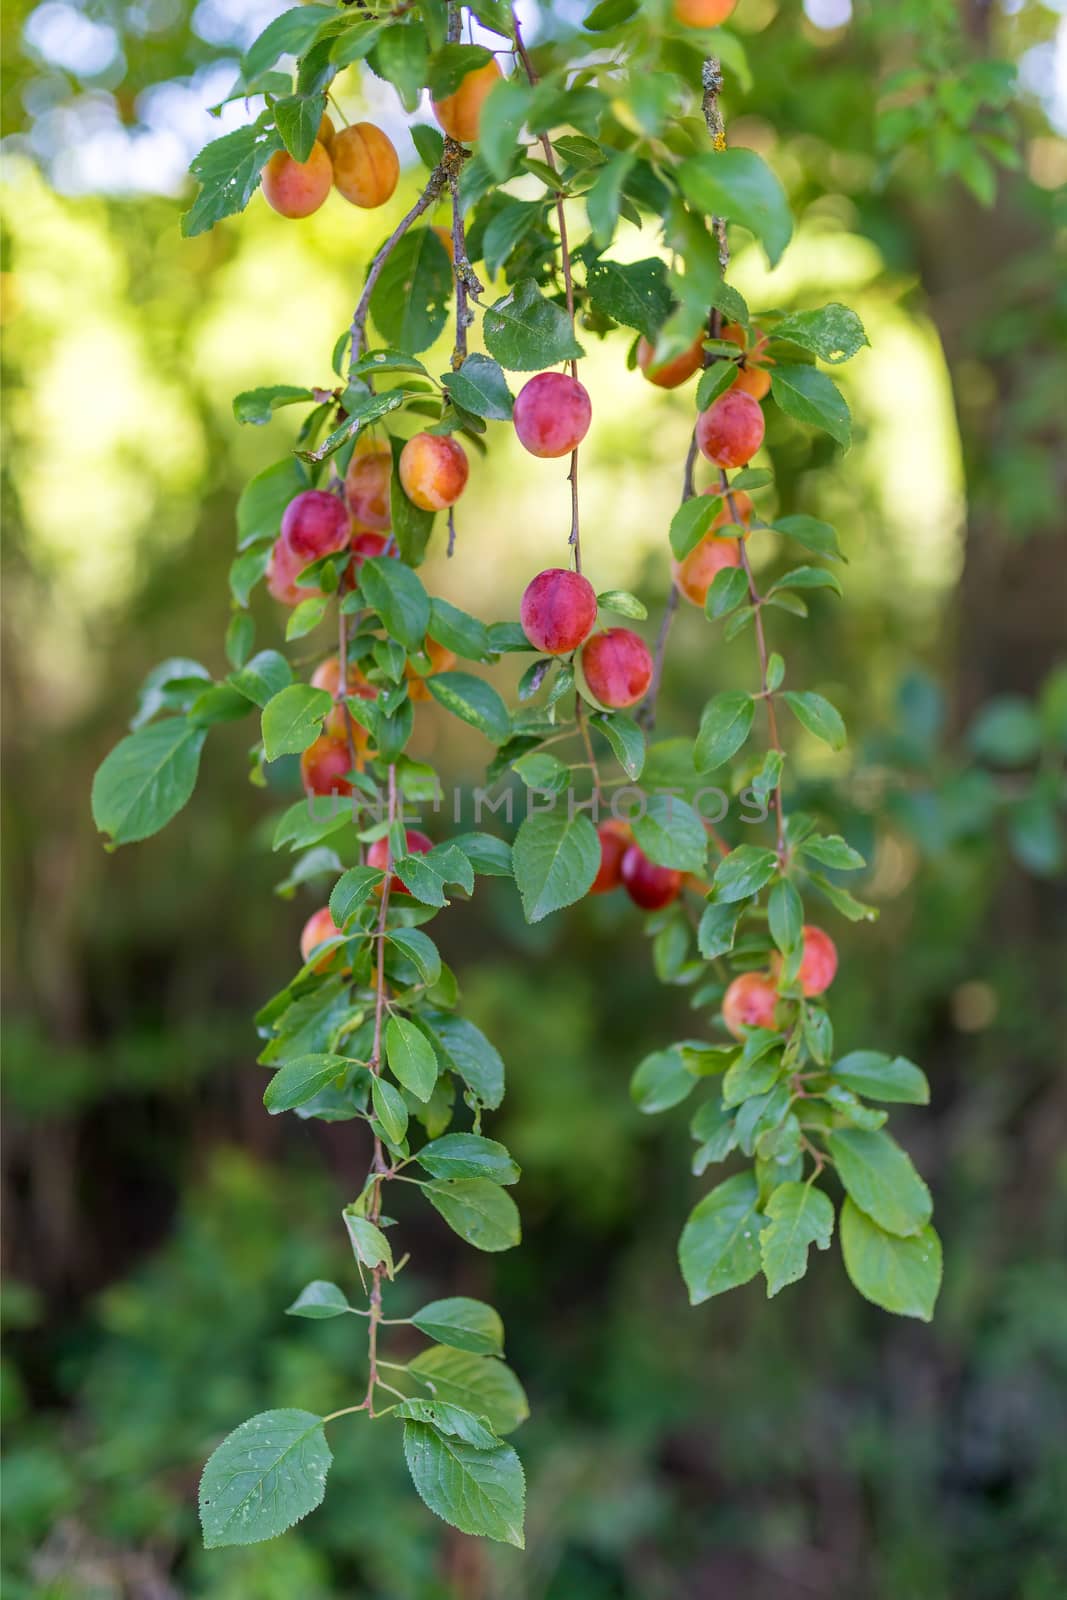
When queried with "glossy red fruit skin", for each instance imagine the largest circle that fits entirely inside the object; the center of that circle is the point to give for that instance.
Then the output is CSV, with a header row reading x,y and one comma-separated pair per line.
x,y
749,1002
649,886
818,964
730,431
367,488
315,524
558,611
323,766
617,666
416,844
552,415
614,839
365,546
319,927
283,569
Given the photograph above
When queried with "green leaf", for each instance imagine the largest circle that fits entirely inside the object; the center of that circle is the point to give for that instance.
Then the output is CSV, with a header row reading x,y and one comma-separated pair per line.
x,y
623,603
480,387
635,293
806,578
671,834
785,916
834,333
147,779
468,1155
740,186
462,1324
881,1179
810,533
264,498
478,1210
729,588
390,1108
555,859
300,1080
412,526
661,1081
715,381
451,64
467,1052
287,35
228,172
260,679
259,405
880,1077
725,724
402,55
719,1247
691,522
419,949
1006,731
297,118
318,1300
526,333
411,1056
481,1385
810,396
756,1069
410,301
306,616
398,597
264,1476
458,631
832,851
369,1245
626,738
352,890
472,700
451,1421
816,714
900,1275
500,124
718,927
292,720
744,872
477,1491
603,201
800,1215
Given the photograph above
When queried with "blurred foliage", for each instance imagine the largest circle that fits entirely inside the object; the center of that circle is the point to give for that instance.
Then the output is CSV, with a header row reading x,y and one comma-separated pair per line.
x,y
157,1222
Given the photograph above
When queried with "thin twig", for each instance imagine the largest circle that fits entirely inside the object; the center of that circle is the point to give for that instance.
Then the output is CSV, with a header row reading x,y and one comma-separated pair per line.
x,y
437,180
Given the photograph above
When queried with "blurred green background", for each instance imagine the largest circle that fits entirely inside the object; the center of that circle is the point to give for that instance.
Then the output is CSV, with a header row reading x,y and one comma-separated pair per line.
x,y
156,1221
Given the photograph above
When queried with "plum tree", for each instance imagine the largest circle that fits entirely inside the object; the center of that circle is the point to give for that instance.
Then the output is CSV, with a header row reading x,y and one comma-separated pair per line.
x,y
378,855
558,611
552,414
433,470
366,167
614,837
649,886
730,431
752,375
750,1001
297,188
315,524
617,667
696,572
459,113
676,370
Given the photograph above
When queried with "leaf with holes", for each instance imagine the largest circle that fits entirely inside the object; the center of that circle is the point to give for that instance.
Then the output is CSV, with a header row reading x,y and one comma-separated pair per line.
x,y
266,1475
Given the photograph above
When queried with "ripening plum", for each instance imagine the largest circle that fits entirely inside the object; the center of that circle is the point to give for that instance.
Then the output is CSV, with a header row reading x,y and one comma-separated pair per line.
x,y
297,188
749,1002
649,886
365,546
415,844
323,766
367,484
615,837
617,667
366,166
725,518
818,964
283,569
315,524
552,414
752,376
703,13
327,132
460,113
669,374
441,660
558,611
696,572
730,431
433,470
327,675
319,927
